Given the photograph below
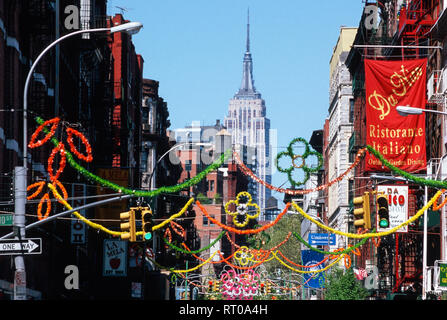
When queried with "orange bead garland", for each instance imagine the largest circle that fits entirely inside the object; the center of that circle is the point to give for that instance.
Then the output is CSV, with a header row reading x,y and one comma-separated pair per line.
x,y
247,231
39,185
45,199
250,173
436,207
59,149
57,183
88,148
33,143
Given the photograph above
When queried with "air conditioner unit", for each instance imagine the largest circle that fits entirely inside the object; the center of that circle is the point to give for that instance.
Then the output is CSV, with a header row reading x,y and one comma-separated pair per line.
x,y
430,86
146,126
443,81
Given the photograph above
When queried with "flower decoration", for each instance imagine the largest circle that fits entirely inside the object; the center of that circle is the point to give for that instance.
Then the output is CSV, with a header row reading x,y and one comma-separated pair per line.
x,y
45,200
260,255
243,256
54,175
244,209
298,161
240,286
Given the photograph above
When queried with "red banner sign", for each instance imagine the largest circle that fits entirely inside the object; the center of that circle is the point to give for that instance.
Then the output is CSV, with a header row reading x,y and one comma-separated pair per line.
x,y
400,139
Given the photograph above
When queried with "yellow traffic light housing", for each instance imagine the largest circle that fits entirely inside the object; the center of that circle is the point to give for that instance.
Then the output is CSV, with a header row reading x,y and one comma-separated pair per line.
x,y
383,214
128,226
362,214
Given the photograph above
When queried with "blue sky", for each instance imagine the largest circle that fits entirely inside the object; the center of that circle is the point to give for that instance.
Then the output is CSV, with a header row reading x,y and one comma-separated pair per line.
x,y
195,49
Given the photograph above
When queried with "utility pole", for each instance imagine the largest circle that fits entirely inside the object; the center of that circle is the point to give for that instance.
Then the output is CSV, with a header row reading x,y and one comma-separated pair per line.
x,y
19,230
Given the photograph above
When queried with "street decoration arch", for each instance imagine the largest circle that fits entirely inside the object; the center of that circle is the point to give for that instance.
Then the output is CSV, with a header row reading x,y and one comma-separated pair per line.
x,y
241,279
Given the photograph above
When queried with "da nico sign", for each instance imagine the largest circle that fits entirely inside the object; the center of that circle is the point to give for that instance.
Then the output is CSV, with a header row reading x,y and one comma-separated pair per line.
x,y
397,196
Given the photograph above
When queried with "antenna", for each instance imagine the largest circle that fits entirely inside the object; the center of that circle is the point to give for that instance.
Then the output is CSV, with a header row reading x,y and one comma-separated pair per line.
x,y
123,9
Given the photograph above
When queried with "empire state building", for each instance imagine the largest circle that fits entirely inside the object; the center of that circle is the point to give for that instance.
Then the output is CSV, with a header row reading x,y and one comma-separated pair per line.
x,y
247,123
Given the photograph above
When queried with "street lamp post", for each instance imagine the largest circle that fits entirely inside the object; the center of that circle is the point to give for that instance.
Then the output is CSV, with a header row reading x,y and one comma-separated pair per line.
x,y
405,111
20,173
152,187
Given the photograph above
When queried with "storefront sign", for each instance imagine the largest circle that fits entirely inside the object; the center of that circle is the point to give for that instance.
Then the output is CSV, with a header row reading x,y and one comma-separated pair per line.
x,y
115,258
397,196
400,139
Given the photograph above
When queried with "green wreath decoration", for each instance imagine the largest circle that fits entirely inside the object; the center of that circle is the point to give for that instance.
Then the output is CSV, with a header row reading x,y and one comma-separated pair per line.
x,y
298,165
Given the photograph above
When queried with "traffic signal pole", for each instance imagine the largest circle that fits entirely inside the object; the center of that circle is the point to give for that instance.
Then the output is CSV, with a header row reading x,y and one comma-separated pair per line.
x,y
19,230
53,217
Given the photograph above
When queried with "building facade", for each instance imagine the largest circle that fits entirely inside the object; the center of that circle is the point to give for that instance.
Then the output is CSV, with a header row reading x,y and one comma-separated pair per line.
x,y
93,82
341,120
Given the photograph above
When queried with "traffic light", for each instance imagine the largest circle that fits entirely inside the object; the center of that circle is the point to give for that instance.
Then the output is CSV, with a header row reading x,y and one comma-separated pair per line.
x,y
268,288
128,225
362,213
210,285
146,223
216,285
382,211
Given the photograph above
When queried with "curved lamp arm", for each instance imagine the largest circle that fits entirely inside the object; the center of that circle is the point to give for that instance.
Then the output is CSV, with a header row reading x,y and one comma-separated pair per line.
x,y
130,27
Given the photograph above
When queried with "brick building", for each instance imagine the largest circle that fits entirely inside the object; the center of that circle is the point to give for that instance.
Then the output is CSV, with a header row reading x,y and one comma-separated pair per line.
x,y
219,186
94,82
405,28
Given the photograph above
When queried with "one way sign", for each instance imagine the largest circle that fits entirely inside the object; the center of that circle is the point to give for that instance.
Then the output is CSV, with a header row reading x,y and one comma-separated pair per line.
x,y
23,246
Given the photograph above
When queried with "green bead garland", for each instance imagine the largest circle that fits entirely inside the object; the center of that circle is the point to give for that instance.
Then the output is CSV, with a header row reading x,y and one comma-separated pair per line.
x,y
427,182
173,246
141,193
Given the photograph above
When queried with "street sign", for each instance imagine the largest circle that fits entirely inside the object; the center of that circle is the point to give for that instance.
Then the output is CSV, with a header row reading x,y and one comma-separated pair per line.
x,y
443,275
322,239
6,220
311,260
23,246
440,279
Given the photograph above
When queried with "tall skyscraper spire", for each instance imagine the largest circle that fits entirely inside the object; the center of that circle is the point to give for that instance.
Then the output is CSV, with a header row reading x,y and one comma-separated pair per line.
x,y
250,128
248,30
247,88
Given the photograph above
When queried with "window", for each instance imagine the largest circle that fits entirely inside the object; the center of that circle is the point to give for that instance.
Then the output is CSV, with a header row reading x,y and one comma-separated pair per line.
x,y
351,110
350,190
211,186
187,165
205,220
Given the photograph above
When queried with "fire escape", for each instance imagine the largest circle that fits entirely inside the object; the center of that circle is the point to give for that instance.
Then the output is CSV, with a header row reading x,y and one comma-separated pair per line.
x,y
415,21
416,18
40,16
